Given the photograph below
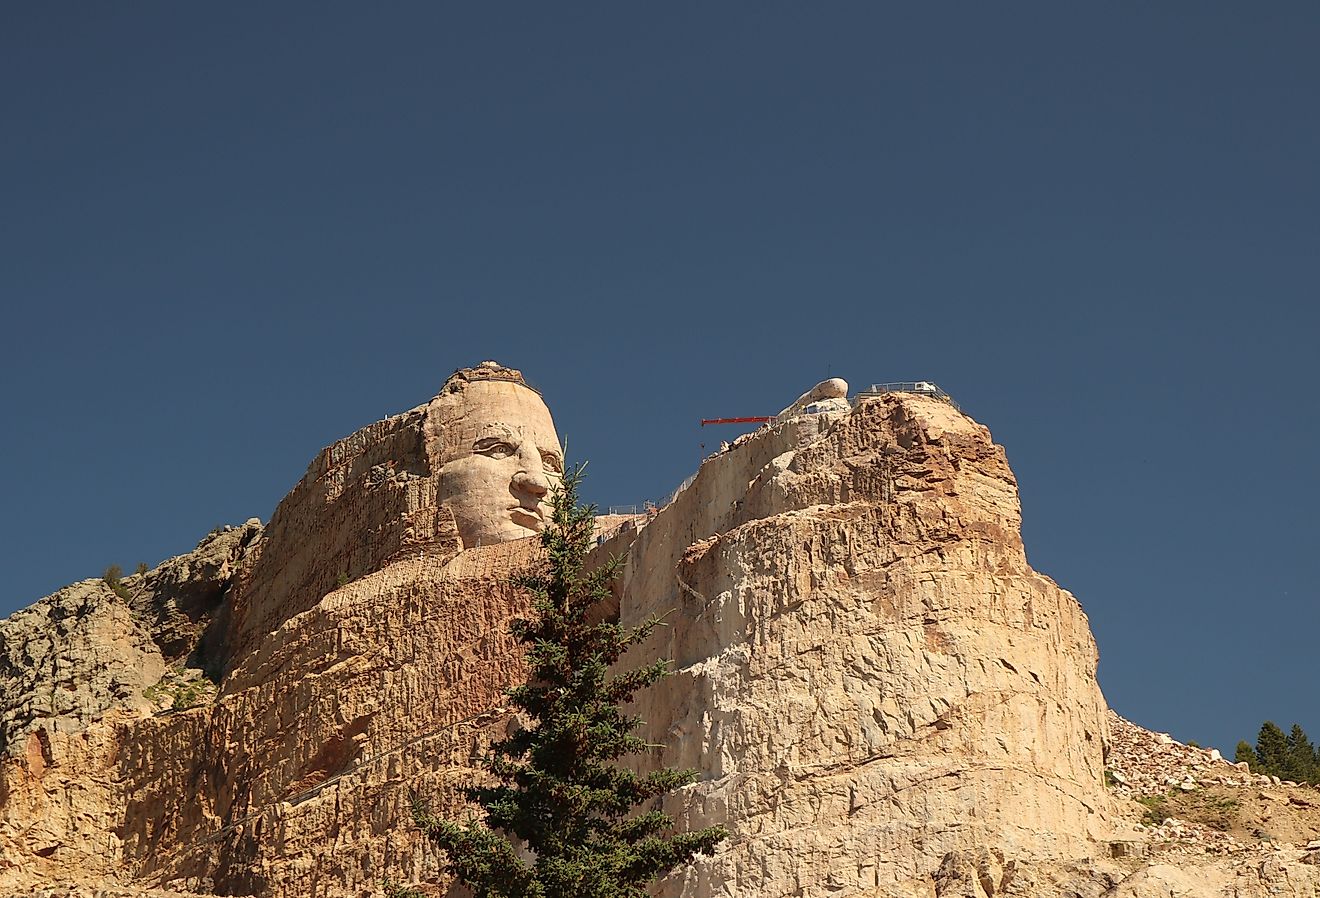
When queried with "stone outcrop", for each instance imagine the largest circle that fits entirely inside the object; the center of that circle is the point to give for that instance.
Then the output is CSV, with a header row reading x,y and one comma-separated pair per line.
x,y
883,699
391,683
870,675
358,620
467,468
75,668
71,657
827,396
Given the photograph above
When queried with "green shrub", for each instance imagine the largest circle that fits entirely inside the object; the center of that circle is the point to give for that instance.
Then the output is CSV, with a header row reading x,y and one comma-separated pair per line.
x,y
188,696
1157,809
113,578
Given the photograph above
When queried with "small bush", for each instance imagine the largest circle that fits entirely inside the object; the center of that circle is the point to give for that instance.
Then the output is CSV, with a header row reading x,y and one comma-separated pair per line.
x,y
1215,811
114,578
1157,809
141,568
188,696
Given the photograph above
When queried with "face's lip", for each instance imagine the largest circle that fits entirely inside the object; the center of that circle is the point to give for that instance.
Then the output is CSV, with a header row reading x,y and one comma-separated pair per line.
x,y
533,514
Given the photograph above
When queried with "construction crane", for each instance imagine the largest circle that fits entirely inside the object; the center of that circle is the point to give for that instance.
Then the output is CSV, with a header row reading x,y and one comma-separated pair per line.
x,y
762,419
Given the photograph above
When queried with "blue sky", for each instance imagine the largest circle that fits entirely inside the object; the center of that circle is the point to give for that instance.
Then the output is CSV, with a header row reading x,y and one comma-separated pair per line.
x,y
232,234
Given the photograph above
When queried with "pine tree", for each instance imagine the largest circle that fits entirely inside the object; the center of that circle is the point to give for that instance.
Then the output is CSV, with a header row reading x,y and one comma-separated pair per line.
x,y
1246,753
564,820
1271,749
1300,763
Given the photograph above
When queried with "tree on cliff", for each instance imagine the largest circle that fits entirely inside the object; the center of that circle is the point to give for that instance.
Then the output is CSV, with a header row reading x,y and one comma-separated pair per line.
x,y
1271,748
560,792
1301,764
1289,757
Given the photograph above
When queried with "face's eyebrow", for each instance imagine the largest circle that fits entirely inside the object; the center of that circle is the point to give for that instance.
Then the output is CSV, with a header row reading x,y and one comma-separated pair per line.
x,y
495,430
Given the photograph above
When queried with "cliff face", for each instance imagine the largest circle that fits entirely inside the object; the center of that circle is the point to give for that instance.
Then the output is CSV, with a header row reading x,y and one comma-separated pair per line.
x,y
72,668
881,695
870,674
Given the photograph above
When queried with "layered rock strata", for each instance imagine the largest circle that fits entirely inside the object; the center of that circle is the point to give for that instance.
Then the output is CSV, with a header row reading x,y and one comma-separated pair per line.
x,y
883,699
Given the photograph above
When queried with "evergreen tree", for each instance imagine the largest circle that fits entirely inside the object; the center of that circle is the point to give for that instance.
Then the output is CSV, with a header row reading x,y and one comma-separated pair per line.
x,y
1246,753
1271,749
563,821
1300,763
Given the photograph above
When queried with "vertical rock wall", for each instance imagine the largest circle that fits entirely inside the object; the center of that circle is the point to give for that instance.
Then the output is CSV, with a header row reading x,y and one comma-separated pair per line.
x,y
298,784
870,678
75,669
870,675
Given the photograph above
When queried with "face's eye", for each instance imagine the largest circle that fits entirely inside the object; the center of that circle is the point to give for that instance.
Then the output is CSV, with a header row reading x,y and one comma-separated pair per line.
x,y
552,462
494,447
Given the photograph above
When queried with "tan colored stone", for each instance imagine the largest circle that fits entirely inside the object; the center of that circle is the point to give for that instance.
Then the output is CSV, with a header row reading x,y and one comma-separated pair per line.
x,y
854,616
497,453
827,396
882,697
470,467
72,656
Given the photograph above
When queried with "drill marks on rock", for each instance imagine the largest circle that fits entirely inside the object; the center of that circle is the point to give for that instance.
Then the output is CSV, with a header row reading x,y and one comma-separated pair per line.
x,y
334,756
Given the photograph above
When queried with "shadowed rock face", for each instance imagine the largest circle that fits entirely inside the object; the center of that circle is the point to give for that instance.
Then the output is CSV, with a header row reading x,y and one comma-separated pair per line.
x,y
882,697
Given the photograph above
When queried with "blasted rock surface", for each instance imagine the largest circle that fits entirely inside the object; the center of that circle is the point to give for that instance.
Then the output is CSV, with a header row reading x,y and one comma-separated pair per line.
x,y
883,699
67,659
870,675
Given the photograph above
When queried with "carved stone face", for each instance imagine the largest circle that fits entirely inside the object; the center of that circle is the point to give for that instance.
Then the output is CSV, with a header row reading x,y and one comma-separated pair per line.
x,y
498,456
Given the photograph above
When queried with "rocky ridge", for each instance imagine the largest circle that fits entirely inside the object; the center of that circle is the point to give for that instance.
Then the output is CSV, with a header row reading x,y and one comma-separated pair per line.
x,y
69,658
882,696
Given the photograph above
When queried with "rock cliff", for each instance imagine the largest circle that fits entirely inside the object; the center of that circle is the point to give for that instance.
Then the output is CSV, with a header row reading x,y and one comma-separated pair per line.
x,y
882,697
870,674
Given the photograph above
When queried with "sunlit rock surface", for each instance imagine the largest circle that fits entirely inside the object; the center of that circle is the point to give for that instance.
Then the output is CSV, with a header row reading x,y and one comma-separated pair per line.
x,y
882,697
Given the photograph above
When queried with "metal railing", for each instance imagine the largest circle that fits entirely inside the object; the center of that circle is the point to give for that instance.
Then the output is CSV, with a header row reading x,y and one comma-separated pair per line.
x,y
920,387
638,509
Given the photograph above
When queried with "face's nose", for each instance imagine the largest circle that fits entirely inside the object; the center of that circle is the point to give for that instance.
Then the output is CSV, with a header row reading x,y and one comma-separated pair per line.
x,y
531,475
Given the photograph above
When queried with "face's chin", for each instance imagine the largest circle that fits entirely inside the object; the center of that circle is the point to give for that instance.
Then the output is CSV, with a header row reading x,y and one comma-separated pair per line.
x,y
484,509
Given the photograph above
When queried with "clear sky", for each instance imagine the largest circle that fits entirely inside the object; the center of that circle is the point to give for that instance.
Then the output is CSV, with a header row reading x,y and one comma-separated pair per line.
x,y
233,233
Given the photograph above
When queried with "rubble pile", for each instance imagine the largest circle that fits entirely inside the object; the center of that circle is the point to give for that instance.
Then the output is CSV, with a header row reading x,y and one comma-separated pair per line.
x,y
1166,778
1142,764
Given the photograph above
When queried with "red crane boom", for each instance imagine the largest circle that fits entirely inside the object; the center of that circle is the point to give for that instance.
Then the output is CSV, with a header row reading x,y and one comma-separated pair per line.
x,y
756,420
